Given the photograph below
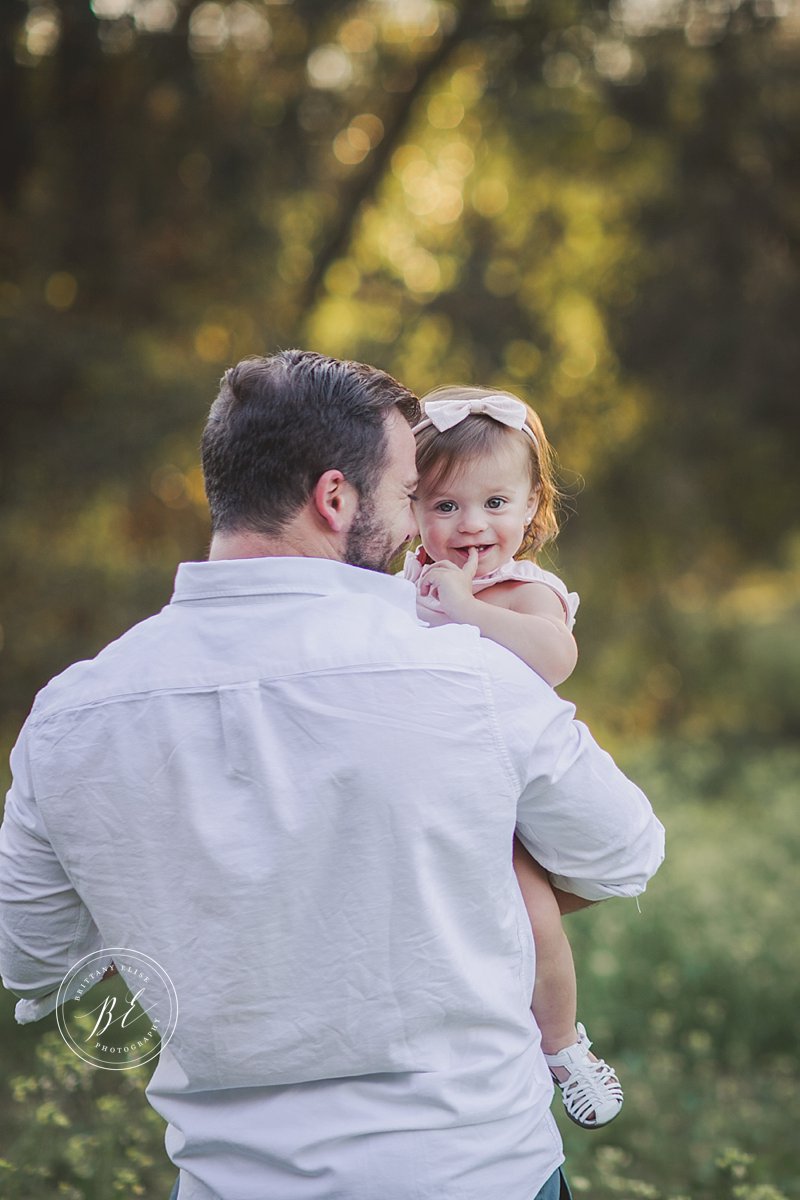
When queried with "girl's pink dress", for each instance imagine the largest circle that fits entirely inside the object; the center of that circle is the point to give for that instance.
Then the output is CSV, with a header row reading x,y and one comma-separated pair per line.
x,y
517,569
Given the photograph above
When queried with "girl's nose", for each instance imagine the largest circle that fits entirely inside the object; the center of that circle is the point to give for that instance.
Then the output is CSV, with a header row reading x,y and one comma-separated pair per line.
x,y
473,520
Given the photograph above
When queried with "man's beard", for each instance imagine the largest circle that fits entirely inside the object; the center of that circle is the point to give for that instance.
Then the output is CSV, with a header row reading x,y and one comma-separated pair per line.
x,y
368,544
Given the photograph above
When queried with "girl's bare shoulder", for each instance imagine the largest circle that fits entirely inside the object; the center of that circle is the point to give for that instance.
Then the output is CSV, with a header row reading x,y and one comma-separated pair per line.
x,y
531,597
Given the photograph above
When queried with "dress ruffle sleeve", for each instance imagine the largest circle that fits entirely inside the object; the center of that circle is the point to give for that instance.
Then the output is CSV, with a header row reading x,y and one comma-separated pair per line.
x,y
521,571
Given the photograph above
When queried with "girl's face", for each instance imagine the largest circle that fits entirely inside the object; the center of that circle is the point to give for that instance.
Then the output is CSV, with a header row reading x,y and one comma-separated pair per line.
x,y
487,503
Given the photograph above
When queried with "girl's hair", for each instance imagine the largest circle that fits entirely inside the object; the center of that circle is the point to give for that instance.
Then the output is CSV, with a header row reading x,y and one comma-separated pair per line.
x,y
442,455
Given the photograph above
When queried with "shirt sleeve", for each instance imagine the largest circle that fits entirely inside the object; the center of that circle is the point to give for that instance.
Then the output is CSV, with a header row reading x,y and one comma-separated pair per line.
x,y
44,926
581,818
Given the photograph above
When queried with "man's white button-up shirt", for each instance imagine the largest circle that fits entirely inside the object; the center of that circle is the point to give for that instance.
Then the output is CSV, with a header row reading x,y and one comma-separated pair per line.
x,y
300,802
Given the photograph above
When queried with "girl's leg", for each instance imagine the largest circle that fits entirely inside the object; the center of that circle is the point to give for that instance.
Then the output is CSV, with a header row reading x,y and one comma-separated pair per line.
x,y
555,997
591,1090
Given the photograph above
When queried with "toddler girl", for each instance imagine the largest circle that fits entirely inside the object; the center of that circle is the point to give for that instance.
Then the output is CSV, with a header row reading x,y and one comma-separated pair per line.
x,y
486,495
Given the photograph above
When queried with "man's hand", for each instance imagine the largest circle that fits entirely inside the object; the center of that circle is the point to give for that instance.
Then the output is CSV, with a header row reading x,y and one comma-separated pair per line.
x,y
452,587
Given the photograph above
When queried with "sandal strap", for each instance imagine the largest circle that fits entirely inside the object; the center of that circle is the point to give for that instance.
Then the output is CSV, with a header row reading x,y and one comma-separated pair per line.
x,y
592,1093
578,1052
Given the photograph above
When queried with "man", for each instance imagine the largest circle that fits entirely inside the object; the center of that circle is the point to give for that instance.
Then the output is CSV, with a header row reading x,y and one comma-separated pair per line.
x,y
300,802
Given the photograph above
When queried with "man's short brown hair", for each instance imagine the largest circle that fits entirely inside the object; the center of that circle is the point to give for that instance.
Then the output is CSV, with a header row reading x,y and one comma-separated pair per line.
x,y
280,422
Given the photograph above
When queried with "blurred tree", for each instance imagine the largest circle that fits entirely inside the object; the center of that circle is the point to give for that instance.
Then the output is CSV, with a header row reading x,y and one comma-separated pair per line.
x,y
706,489
555,197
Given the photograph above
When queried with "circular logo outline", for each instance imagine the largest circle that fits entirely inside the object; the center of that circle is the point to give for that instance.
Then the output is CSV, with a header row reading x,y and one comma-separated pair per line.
x,y
104,954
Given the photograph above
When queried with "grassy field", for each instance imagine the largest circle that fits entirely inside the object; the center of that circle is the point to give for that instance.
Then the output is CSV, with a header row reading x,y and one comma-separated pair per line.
x,y
693,999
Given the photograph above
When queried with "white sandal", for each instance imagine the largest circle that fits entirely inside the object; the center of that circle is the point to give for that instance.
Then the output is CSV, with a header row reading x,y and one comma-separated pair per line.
x,y
592,1093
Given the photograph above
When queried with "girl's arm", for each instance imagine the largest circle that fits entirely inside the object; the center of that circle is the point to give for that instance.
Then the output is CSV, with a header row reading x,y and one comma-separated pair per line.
x,y
533,626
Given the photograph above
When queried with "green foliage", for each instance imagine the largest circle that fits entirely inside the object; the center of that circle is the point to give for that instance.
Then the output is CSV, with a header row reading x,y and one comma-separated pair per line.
x,y
81,1133
557,198
692,999
663,656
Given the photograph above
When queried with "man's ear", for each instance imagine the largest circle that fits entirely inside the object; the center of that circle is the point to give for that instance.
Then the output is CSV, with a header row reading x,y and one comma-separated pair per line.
x,y
335,500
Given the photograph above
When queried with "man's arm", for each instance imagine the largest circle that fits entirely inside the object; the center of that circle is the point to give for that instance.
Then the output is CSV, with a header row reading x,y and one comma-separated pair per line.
x,y
583,819
44,926
579,816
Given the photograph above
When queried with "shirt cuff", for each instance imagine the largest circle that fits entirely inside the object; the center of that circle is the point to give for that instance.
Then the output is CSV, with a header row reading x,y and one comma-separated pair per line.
x,y
589,889
35,1008
27,1011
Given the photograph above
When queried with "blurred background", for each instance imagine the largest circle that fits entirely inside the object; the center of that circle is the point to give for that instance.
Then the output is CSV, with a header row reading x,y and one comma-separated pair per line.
x,y
594,205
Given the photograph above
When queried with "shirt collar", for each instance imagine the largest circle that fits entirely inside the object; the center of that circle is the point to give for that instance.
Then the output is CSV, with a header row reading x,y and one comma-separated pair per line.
x,y
199,581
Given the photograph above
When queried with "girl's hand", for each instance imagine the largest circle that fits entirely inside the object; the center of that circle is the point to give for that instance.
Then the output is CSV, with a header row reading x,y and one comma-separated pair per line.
x,y
452,587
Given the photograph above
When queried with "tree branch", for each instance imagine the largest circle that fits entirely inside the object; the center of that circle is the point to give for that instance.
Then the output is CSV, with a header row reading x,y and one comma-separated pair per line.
x,y
366,183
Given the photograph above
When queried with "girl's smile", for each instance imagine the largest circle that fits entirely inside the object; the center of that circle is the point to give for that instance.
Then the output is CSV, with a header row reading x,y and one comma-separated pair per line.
x,y
485,506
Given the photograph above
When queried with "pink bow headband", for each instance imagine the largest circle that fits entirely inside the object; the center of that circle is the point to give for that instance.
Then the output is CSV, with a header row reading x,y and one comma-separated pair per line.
x,y
444,414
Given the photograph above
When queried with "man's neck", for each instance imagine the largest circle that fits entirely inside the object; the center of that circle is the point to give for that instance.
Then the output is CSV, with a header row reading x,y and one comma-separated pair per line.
x,y
295,543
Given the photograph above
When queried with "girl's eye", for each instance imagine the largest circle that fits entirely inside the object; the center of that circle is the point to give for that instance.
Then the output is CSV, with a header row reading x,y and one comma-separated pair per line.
x,y
446,506
495,502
